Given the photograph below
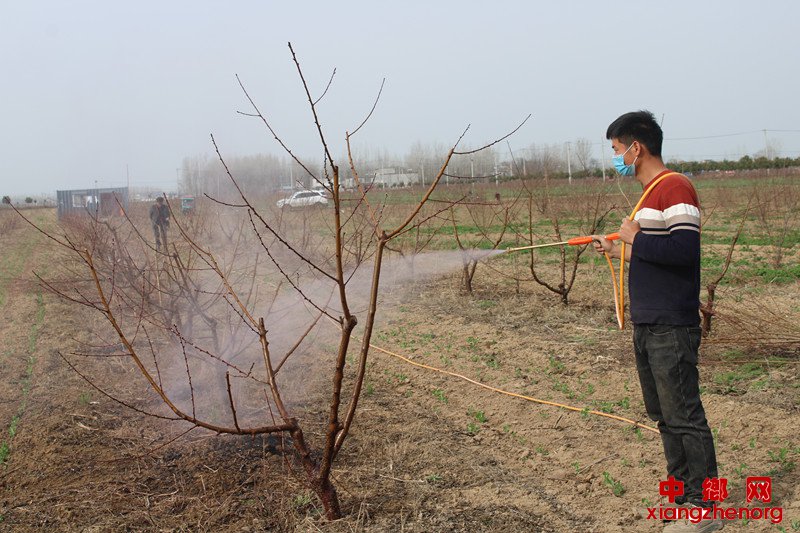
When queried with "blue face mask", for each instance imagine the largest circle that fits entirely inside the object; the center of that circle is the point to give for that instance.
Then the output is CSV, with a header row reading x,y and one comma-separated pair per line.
x,y
622,168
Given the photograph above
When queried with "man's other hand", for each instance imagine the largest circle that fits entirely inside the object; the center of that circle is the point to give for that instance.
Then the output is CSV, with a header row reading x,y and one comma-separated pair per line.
x,y
628,230
601,244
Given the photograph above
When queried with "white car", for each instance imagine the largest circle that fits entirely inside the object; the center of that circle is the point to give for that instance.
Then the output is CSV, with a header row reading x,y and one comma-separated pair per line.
x,y
304,199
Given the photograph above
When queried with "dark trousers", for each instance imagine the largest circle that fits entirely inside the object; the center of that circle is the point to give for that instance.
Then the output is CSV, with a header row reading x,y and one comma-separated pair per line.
x,y
666,358
160,232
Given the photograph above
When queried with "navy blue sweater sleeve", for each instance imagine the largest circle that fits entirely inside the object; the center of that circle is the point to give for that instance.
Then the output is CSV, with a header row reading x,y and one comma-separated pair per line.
x,y
678,248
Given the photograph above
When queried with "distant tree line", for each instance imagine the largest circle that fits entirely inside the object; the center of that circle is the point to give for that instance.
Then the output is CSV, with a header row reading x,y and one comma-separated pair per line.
x,y
261,174
744,163
28,200
255,174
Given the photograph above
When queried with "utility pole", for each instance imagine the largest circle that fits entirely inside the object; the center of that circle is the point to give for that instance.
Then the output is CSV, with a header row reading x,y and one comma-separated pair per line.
x,y
128,176
496,175
569,164
766,145
472,176
602,159
422,164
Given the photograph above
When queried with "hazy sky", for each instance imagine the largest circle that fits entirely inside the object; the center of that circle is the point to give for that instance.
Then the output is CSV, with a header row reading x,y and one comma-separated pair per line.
x,y
88,87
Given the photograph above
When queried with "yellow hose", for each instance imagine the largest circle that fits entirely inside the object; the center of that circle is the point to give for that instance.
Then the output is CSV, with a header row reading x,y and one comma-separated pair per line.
x,y
514,394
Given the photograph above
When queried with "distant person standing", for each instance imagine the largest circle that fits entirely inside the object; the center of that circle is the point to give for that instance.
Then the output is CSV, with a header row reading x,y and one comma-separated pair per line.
x,y
159,218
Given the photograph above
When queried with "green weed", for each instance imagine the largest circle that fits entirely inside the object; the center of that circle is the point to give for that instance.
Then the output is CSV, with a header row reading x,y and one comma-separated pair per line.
x,y
563,388
439,395
479,416
781,457
12,427
472,344
604,406
731,381
433,478
486,304
616,487
302,500
556,366
395,378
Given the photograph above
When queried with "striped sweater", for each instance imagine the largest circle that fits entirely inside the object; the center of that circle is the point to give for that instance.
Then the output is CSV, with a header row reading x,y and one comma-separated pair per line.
x,y
664,279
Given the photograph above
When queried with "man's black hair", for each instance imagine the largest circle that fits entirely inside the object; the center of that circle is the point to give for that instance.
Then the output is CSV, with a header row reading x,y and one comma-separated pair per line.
x,y
638,126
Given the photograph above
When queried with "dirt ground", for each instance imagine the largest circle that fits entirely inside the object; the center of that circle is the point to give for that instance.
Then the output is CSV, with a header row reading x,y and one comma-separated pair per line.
x,y
428,452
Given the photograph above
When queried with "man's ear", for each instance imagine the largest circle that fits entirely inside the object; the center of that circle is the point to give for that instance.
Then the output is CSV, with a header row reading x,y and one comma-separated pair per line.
x,y
639,149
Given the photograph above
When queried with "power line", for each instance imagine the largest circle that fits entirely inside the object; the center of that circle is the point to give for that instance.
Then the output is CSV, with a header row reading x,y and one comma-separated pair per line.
x,y
729,135
778,153
714,136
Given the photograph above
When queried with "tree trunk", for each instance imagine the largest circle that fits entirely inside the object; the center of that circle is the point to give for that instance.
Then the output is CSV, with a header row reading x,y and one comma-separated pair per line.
x,y
326,492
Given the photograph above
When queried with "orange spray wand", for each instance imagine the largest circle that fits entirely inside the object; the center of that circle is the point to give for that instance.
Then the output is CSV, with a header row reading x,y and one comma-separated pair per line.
x,y
575,241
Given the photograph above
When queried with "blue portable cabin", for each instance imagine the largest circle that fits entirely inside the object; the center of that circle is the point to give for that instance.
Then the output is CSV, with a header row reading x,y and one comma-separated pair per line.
x,y
104,202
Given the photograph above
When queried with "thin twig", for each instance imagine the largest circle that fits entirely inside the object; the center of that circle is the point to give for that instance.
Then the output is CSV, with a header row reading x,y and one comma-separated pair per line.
x,y
504,137
374,105
230,400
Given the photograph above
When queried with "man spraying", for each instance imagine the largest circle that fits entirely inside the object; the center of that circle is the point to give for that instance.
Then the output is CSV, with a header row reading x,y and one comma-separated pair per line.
x,y
159,219
663,248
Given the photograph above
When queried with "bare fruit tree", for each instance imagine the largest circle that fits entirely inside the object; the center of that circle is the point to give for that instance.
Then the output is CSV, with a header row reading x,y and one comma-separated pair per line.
x,y
777,212
491,223
707,309
584,213
251,314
